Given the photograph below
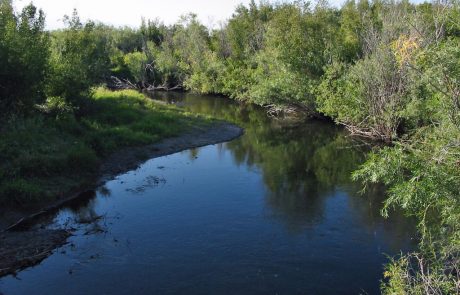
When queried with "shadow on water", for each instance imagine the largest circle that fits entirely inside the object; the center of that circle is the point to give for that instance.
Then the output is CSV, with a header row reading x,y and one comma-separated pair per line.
x,y
273,211
301,164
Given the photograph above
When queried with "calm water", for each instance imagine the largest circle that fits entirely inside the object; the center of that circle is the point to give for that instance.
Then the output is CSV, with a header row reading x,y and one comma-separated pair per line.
x,y
273,212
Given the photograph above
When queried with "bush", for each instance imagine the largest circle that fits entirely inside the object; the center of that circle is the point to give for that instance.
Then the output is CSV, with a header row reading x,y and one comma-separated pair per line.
x,y
423,179
57,107
136,62
368,97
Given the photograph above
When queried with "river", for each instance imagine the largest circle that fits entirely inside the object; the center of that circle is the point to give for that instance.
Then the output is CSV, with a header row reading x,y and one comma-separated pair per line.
x,y
273,212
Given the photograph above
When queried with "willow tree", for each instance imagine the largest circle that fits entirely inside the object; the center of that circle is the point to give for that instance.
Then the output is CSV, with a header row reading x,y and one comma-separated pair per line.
x,y
80,59
24,54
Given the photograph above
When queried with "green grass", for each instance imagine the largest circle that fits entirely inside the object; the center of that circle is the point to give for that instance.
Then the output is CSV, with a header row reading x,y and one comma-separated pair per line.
x,y
44,157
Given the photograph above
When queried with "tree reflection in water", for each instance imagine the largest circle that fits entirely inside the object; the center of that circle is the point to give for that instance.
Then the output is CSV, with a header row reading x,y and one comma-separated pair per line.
x,y
302,164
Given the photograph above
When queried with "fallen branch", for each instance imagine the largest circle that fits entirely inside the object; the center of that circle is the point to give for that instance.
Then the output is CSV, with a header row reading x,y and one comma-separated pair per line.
x,y
369,132
164,88
126,84
123,83
290,109
23,220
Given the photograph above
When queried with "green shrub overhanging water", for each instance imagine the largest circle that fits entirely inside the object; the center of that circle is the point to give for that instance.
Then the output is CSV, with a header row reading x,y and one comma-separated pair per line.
x,y
388,70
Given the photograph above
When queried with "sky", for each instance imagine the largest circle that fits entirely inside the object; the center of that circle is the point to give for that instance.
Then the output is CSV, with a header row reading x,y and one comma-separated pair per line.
x,y
130,12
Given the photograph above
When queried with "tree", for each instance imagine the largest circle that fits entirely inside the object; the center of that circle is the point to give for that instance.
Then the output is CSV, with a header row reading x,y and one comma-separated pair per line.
x,y
24,54
153,31
246,29
371,96
138,65
80,59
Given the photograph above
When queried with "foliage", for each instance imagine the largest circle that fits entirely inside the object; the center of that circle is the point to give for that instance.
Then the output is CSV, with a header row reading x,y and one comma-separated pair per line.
x,y
371,96
44,157
191,44
137,63
388,70
422,174
24,53
245,30
293,56
439,67
423,178
167,66
79,60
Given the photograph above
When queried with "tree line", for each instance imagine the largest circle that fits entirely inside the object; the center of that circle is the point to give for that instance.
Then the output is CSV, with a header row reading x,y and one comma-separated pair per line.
x,y
384,69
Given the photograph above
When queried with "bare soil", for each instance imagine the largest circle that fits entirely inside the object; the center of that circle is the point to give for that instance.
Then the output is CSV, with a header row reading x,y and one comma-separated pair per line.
x,y
19,250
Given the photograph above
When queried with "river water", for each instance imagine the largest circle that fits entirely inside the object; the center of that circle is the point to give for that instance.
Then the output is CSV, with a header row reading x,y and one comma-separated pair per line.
x,y
273,212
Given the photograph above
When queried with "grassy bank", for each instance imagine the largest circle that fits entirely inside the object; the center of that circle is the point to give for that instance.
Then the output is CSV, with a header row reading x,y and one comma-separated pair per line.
x,y
53,152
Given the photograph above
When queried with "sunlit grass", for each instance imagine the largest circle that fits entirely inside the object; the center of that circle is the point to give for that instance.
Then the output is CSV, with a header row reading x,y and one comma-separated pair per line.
x,y
42,158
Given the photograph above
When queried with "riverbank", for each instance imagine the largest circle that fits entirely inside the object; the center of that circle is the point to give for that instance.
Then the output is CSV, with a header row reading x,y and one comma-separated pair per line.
x,y
20,249
58,149
178,131
281,189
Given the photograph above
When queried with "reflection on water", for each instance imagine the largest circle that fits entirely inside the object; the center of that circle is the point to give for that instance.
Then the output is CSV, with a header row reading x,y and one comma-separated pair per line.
x,y
300,163
272,212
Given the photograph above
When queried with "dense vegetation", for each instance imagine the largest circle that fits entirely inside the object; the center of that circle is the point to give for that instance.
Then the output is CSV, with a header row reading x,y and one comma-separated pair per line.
x,y
56,126
388,70
45,156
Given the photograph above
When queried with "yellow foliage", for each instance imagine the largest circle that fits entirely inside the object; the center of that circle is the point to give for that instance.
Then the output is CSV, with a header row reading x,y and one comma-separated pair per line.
x,y
404,48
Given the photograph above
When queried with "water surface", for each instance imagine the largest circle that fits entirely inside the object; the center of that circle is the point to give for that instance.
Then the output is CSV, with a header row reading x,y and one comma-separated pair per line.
x,y
273,212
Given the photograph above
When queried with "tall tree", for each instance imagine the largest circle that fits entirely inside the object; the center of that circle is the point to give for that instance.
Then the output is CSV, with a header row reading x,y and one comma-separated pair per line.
x,y
24,53
80,59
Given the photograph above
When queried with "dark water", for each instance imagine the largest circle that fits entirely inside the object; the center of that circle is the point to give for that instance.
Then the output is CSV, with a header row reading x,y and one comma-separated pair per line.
x,y
273,212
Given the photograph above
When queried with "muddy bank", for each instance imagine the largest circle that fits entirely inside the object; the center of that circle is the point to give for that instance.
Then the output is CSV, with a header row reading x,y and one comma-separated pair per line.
x,y
19,250
21,246
129,159
126,160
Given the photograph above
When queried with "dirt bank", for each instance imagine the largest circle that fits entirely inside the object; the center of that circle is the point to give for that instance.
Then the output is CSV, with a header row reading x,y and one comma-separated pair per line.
x,y
129,159
21,246
19,250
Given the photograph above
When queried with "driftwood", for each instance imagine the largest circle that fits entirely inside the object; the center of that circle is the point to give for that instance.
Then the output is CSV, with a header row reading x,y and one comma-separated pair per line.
x,y
126,84
123,83
23,220
370,132
289,110
164,88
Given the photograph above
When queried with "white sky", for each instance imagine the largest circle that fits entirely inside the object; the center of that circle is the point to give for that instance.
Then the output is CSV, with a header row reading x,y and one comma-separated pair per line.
x,y
129,12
